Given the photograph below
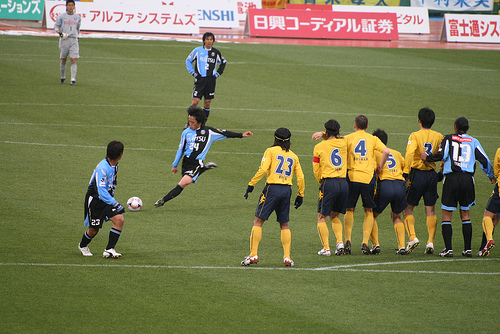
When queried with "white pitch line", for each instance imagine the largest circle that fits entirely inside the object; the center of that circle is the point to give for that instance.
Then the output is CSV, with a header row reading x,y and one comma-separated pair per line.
x,y
351,267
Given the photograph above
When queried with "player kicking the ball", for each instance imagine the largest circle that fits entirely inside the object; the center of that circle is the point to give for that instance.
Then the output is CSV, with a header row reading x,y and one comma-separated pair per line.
x,y
193,147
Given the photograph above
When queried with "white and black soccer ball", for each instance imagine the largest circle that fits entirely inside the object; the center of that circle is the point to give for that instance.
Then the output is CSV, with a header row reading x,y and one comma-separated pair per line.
x,y
134,203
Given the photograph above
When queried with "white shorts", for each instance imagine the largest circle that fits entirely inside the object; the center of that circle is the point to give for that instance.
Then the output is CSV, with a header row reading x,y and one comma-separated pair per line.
x,y
69,47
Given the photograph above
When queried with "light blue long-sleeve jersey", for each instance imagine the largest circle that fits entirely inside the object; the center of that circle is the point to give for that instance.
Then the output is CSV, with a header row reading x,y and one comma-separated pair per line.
x,y
103,182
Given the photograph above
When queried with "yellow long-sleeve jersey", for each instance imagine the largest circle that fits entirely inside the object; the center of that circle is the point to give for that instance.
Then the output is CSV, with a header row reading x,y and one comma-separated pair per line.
x,y
361,161
280,166
330,159
424,140
393,168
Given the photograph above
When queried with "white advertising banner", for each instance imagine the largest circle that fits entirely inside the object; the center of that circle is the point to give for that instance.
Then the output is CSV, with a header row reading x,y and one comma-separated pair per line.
x,y
410,20
243,7
471,28
129,16
213,13
455,5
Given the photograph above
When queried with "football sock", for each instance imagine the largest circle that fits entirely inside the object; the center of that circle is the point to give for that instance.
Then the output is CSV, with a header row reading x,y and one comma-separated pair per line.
x,y
431,228
488,228
374,234
173,193
483,242
400,234
73,71
367,227
207,112
348,223
324,234
337,229
255,238
467,233
447,233
410,226
63,69
114,234
85,240
286,240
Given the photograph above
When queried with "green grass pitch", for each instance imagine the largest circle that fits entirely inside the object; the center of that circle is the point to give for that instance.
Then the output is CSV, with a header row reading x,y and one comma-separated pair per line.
x,y
180,271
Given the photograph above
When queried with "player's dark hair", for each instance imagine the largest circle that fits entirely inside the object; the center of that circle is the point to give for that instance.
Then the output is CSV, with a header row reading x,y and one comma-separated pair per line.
x,y
68,1
197,113
114,150
381,134
361,122
462,124
332,128
282,138
208,34
426,116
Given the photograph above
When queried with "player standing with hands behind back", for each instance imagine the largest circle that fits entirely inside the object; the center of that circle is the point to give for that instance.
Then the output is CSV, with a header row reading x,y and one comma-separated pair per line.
x,y
202,64
68,27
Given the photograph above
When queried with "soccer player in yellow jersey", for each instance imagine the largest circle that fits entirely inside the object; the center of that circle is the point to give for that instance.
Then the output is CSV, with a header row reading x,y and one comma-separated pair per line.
x,y
278,164
391,188
493,207
330,170
422,178
361,166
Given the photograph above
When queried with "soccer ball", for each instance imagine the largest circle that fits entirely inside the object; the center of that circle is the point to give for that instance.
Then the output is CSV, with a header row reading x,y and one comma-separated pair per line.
x,y
134,204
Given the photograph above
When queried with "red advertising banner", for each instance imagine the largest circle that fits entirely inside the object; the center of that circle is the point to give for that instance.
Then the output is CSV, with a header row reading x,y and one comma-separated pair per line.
x,y
322,24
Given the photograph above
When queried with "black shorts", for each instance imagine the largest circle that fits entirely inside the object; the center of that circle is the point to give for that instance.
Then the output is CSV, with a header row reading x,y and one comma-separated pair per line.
x,y
458,188
390,192
97,212
275,197
204,87
333,194
494,201
422,183
193,168
367,191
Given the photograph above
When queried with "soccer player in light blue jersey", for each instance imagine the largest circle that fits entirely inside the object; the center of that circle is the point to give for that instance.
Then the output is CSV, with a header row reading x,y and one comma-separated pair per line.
x,y
205,63
100,204
459,151
68,27
193,148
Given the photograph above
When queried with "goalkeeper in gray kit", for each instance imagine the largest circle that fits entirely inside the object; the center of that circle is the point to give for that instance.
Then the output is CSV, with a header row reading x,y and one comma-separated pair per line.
x,y
68,27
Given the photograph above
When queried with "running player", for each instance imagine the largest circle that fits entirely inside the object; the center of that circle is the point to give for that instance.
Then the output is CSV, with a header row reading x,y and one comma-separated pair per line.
x,y
422,179
459,151
279,163
193,147
68,27
330,170
100,205
205,63
391,188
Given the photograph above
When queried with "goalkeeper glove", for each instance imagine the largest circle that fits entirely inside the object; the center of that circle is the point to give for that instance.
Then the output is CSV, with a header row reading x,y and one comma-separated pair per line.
x,y
298,201
249,190
118,208
196,75
217,74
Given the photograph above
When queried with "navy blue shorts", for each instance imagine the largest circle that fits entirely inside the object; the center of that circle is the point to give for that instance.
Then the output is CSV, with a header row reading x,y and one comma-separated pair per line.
x,y
333,194
422,184
494,201
367,191
391,192
275,197
458,188
97,212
